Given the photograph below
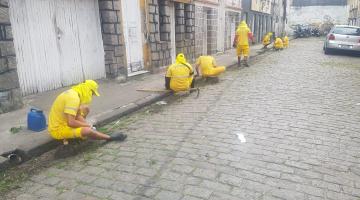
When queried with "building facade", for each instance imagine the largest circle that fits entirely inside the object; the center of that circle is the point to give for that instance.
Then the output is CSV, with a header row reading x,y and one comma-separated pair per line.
x,y
46,44
233,11
354,12
263,16
169,30
321,13
49,44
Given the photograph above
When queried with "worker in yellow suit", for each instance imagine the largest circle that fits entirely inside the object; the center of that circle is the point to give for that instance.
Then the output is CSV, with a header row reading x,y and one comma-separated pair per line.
x,y
208,67
241,42
278,45
180,75
286,41
267,40
67,118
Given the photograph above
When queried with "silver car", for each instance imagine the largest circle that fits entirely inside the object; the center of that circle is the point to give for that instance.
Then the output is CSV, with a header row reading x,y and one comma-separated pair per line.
x,y
343,37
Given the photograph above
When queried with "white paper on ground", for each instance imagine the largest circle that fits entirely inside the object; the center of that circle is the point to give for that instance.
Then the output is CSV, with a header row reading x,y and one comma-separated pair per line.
x,y
241,137
161,103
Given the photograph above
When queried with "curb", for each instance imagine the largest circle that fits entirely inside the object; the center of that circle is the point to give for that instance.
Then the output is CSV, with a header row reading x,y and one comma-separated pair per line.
x,y
27,152
130,108
4,163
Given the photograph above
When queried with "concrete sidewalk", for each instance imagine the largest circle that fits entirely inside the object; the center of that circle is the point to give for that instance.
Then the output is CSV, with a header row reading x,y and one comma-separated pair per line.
x,y
116,100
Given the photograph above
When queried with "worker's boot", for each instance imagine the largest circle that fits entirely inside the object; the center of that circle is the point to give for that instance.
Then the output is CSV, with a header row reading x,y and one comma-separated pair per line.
x,y
118,137
246,63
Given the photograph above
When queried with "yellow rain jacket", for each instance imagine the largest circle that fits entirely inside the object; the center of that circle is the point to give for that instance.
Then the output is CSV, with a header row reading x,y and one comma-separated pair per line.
x,y
278,44
69,102
181,74
267,39
208,66
242,34
286,41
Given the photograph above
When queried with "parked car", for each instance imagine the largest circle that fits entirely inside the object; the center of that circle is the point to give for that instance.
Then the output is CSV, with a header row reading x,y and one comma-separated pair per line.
x,y
343,37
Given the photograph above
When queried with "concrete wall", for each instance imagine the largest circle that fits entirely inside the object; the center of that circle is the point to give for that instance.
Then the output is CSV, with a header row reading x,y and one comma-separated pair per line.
x,y
113,38
318,15
10,94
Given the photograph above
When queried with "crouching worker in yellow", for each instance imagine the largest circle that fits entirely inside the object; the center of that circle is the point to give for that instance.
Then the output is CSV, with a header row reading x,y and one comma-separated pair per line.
x,y
68,113
241,42
267,40
180,75
278,45
208,66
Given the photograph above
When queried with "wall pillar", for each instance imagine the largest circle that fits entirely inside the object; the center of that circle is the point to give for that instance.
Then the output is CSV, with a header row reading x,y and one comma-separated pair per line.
x,y
10,93
113,38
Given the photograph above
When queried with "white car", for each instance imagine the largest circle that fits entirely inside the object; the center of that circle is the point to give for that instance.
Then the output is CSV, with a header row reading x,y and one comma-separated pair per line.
x,y
343,37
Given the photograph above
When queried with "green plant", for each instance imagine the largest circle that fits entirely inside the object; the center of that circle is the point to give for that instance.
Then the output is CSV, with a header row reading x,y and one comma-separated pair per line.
x,y
15,130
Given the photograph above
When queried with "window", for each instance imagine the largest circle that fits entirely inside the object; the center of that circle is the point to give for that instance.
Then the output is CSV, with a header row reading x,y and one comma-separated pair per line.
x,y
347,31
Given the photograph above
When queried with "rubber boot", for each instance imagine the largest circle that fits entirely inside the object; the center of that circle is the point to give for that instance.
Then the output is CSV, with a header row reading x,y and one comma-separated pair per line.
x,y
246,63
118,137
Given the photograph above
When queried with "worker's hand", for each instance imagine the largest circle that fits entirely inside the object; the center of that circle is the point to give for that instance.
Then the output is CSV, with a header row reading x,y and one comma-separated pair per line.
x,y
253,42
234,45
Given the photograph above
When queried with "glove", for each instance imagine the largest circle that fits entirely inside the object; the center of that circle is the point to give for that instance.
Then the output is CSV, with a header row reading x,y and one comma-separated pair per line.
x,y
234,45
253,42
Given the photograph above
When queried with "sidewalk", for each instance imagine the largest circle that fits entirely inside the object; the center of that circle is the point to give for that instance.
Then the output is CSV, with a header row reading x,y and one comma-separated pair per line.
x,y
116,100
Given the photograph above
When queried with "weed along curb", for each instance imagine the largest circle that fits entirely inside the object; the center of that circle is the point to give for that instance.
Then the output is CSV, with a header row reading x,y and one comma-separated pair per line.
x,y
30,150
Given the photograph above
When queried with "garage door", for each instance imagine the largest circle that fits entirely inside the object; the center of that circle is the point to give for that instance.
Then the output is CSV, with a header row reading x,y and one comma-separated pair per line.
x,y
57,43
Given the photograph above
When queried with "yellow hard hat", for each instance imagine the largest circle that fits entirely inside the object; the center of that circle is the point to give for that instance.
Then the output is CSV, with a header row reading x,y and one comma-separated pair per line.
x,y
93,86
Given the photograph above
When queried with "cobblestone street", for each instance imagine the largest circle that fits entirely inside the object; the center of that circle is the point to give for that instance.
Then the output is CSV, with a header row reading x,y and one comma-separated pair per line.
x,y
298,110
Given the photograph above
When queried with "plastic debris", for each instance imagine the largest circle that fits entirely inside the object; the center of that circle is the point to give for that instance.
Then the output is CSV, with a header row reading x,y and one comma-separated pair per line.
x,y
241,137
161,103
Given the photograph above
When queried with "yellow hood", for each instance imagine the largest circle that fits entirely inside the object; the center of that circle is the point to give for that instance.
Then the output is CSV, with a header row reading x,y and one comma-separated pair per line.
x,y
86,90
180,59
242,25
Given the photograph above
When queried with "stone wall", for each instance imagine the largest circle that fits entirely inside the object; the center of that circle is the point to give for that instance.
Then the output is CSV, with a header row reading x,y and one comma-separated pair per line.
x,y
185,30
113,38
10,93
159,35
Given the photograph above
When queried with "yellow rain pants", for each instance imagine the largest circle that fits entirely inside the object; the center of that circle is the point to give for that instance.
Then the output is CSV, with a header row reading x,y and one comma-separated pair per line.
x,y
208,66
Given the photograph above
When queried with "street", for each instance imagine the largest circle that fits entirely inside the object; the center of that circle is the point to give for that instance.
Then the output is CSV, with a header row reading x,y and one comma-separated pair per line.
x,y
285,128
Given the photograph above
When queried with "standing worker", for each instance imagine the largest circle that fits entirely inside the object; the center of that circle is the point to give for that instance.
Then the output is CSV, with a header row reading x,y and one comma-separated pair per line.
x,y
241,42
180,75
68,113
208,68
286,41
278,45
